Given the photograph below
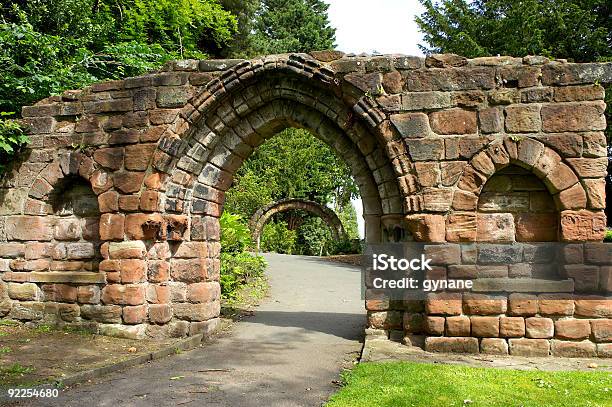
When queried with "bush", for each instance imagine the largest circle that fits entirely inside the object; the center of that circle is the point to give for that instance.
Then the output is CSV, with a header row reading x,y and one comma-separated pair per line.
x,y
238,269
276,237
608,236
12,138
235,234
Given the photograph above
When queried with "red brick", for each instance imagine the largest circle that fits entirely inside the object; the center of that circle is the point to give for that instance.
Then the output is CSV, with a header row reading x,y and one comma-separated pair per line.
x,y
88,294
434,325
451,345
160,313
529,347
158,271
444,304
572,329
150,200
138,156
485,327
512,327
556,304
111,158
523,119
602,330
584,349
582,225
482,304
454,121
493,346
586,116
133,271
458,326
123,294
536,227
60,292
539,328
134,315
111,226
593,307
158,293
128,181
203,292
108,202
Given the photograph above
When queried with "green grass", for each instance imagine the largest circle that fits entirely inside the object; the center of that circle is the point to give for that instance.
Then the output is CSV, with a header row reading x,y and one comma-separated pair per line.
x,y
400,384
15,369
5,349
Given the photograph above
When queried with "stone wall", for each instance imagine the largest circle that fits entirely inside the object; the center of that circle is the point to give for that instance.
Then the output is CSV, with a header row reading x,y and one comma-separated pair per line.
x,y
264,214
422,137
527,299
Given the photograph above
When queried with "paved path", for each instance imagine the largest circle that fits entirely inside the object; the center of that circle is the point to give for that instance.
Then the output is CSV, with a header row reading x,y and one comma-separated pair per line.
x,y
287,354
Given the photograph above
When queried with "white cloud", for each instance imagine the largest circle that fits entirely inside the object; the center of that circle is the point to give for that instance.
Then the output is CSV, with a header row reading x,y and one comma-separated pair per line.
x,y
384,26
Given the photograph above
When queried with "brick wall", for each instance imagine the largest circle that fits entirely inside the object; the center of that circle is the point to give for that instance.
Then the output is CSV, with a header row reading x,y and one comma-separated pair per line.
x,y
424,137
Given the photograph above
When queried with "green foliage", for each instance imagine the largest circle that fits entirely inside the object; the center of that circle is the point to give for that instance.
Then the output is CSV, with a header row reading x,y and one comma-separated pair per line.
x,y
189,28
292,164
12,138
292,26
47,47
237,269
235,234
276,237
574,29
608,236
314,237
348,217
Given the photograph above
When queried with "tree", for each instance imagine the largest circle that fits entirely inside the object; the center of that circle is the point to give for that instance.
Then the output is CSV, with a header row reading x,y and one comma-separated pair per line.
x,y
292,26
47,47
574,29
293,164
578,30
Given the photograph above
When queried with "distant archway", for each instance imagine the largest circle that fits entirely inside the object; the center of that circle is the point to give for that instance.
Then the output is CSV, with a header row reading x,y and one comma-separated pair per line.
x,y
263,215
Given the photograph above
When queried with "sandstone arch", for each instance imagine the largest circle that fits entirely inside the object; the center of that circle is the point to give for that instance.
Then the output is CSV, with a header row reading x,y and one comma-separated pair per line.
x,y
421,136
263,215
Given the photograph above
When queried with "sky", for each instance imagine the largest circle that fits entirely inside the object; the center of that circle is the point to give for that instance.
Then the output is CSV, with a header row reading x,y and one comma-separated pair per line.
x,y
383,26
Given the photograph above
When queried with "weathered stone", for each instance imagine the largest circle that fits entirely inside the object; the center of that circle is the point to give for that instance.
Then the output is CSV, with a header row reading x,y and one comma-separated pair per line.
x,y
494,346
454,121
411,125
451,345
586,116
529,347
523,119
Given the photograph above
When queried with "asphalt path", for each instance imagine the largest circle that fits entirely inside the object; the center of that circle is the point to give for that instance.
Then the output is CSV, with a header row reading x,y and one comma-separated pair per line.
x,y
290,352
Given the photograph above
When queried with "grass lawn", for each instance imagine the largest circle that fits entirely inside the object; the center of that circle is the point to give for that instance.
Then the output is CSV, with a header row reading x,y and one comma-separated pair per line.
x,y
413,384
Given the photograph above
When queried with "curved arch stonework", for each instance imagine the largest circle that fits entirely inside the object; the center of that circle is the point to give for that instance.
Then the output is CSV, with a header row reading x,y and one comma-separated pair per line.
x,y
263,215
420,135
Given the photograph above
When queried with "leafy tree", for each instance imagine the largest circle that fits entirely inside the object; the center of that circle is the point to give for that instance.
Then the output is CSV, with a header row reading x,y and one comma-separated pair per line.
x,y
293,164
578,30
191,28
241,45
292,26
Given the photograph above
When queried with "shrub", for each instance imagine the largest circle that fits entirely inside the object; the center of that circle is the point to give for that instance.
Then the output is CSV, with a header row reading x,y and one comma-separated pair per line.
x,y
238,269
608,236
276,237
235,234
12,138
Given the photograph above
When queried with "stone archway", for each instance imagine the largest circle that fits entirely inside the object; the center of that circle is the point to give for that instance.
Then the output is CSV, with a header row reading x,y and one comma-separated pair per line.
x,y
421,136
263,215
